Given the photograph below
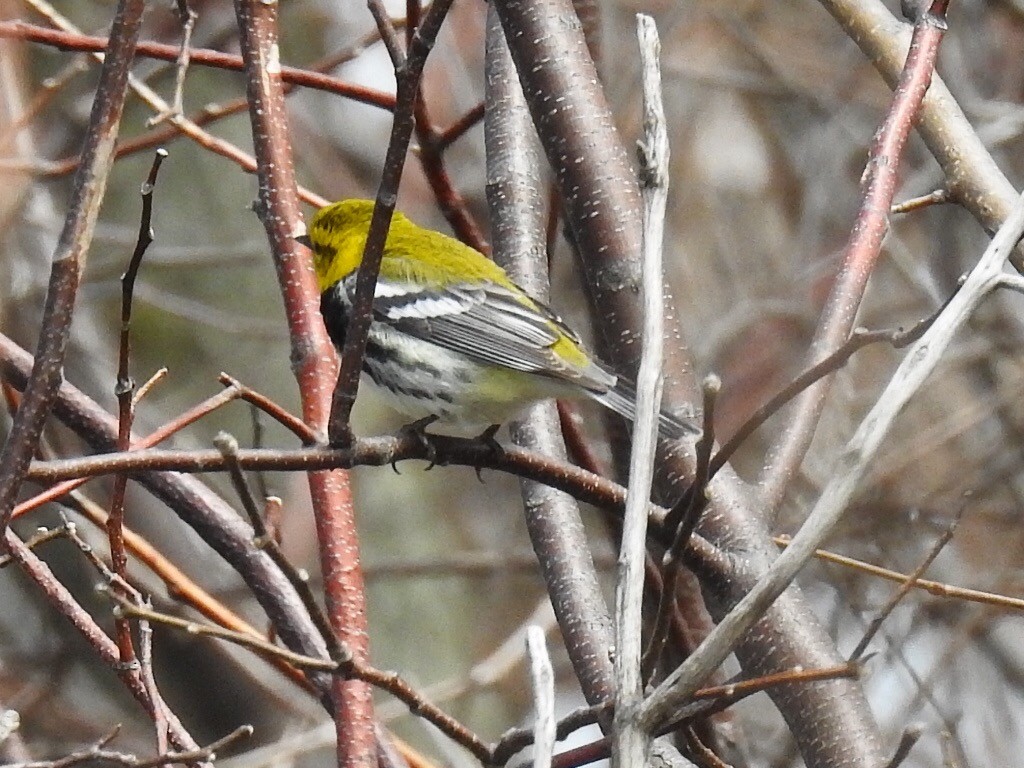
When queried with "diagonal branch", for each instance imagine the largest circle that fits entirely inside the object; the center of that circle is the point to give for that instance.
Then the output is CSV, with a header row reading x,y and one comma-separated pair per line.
x,y
861,254
408,72
69,259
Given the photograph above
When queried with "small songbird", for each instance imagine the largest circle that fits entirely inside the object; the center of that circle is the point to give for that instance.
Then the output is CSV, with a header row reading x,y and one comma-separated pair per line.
x,y
452,336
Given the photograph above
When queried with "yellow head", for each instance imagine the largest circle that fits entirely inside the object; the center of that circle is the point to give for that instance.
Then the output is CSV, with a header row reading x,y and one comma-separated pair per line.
x,y
337,236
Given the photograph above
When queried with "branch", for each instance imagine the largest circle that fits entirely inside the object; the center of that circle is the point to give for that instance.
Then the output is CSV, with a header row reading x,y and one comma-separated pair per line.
x,y
630,743
408,71
920,360
313,359
516,200
860,255
89,185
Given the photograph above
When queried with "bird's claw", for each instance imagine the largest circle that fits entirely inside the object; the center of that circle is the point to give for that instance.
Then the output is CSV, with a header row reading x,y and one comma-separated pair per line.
x,y
486,438
418,431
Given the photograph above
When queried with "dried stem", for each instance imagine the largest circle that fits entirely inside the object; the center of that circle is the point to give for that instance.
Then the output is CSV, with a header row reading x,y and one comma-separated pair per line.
x,y
630,742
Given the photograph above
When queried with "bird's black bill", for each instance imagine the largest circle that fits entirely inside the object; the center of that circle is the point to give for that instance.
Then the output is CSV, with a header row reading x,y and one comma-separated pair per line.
x,y
305,240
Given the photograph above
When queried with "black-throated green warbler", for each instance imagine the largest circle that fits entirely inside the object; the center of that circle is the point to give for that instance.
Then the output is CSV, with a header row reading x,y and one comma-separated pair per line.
x,y
452,336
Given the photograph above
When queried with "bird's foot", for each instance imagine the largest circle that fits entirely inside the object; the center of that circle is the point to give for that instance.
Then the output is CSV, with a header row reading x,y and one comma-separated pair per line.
x,y
418,431
486,439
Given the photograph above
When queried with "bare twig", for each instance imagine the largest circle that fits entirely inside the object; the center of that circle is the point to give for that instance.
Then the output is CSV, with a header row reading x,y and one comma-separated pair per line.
x,y
543,678
907,741
408,70
98,754
630,742
124,389
906,587
938,197
293,424
937,588
683,519
188,24
41,536
265,648
228,447
858,339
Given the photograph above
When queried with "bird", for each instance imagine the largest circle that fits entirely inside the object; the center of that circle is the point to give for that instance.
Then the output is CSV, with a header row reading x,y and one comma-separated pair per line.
x,y
453,339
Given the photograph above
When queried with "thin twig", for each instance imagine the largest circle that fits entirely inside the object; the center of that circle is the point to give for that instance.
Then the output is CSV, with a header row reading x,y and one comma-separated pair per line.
x,y
906,587
938,197
683,519
937,588
907,741
97,755
293,424
127,607
42,536
124,389
543,678
149,680
188,22
460,127
407,76
228,446
140,394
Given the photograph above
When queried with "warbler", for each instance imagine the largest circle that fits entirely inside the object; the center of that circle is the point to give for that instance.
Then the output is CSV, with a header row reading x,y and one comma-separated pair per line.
x,y
452,336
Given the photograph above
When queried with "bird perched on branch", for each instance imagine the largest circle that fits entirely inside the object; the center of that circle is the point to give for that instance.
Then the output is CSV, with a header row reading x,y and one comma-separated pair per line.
x,y
452,337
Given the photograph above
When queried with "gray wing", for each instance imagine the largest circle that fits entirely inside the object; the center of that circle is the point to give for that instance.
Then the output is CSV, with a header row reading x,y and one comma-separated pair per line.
x,y
488,324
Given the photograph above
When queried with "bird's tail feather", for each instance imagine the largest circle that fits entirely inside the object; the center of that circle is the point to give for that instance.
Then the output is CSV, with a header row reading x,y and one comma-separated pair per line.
x,y
622,399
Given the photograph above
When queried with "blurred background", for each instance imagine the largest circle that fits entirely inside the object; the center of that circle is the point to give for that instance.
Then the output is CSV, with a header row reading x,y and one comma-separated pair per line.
x,y
771,110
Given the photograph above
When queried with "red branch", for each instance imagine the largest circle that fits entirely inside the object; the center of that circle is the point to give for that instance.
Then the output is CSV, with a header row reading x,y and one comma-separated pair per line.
x,y
862,249
314,366
69,41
